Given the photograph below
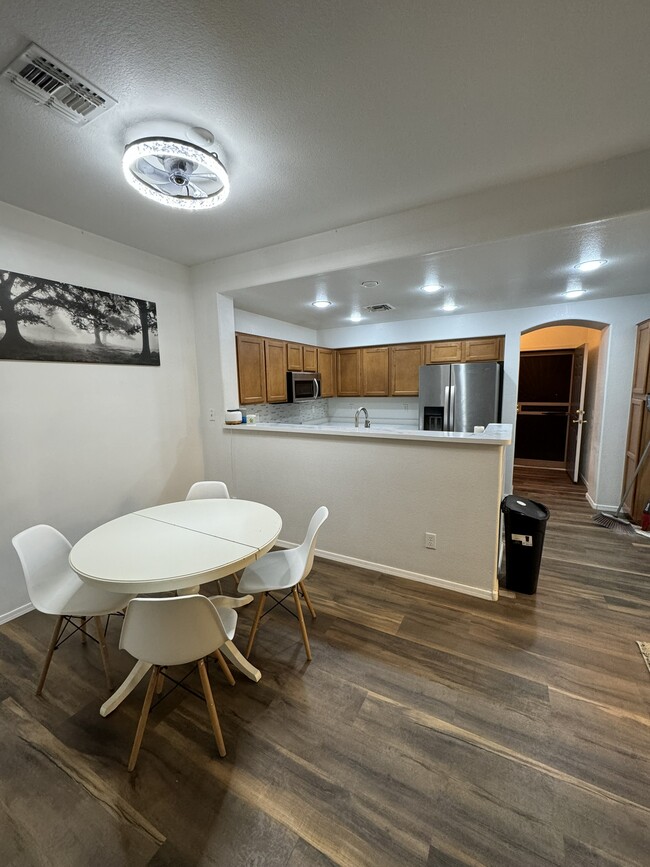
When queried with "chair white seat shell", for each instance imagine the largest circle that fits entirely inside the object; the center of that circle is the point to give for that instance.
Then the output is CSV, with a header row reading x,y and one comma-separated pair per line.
x,y
284,570
208,491
55,588
174,631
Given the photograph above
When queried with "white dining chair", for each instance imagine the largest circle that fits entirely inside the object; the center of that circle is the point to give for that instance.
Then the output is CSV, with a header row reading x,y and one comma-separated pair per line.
x,y
208,491
211,491
174,631
55,588
284,570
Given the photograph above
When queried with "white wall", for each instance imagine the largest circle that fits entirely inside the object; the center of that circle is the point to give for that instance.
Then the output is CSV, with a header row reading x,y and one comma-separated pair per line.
x,y
264,326
83,443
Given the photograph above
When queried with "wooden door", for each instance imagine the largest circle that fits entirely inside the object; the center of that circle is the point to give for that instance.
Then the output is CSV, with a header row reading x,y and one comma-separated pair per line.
x,y
443,351
251,369
275,355
309,359
576,411
483,349
348,370
327,369
638,434
405,363
294,357
374,371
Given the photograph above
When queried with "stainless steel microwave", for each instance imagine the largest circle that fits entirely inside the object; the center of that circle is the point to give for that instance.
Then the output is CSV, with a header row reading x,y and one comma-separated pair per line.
x,y
302,386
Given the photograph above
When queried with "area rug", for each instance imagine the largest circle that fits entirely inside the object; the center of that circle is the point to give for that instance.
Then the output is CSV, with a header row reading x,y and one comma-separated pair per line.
x,y
644,647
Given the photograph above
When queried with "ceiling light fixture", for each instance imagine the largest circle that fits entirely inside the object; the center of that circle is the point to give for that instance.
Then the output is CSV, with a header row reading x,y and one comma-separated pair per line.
x,y
356,317
170,164
574,293
432,287
321,304
449,306
370,284
592,265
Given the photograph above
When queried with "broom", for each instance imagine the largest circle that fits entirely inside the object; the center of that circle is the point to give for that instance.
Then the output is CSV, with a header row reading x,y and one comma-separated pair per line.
x,y
615,522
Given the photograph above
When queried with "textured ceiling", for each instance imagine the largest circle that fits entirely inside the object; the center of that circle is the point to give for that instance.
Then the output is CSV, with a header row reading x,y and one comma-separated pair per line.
x,y
525,271
329,112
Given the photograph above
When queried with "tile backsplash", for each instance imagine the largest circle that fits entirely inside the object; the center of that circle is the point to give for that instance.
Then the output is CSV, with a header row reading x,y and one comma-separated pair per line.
x,y
289,413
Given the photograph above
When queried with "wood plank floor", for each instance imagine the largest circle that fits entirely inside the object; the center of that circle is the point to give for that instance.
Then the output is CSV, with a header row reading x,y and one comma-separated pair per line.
x,y
430,729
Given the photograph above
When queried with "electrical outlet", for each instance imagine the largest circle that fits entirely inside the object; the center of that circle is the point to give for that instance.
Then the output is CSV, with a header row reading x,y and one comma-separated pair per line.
x,y
430,540
211,415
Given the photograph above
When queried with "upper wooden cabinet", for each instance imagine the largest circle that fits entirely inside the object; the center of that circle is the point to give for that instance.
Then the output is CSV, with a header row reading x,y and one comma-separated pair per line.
x,y
405,362
327,368
294,356
443,352
309,359
374,371
251,368
472,349
275,356
483,349
348,372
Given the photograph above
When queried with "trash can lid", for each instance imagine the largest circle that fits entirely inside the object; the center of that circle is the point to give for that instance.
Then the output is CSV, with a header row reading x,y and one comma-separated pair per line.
x,y
529,508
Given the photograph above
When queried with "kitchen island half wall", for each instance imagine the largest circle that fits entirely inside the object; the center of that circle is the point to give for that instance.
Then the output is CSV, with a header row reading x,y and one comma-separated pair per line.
x,y
385,489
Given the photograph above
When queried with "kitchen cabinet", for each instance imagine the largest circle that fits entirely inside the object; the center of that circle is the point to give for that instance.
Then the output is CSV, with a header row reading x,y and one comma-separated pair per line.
x,y
326,360
348,372
405,364
472,349
275,357
638,434
444,351
294,356
375,371
251,369
483,349
309,359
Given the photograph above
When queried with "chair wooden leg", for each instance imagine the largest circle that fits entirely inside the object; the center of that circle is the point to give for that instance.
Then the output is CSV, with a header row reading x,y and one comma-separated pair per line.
x,y
142,722
218,655
160,683
256,623
84,620
237,578
303,590
301,620
50,650
99,626
212,708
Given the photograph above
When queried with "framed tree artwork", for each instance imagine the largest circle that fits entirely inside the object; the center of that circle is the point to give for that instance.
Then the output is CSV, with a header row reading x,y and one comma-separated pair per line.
x,y
48,320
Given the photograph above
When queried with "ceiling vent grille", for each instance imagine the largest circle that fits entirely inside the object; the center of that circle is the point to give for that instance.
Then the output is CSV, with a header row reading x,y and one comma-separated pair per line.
x,y
47,81
379,308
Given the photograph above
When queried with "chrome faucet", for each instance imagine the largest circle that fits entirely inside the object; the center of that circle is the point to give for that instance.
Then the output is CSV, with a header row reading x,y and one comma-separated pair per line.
x,y
356,417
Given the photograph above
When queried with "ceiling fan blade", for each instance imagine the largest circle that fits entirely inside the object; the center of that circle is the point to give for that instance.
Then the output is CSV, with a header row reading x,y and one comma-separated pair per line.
x,y
197,192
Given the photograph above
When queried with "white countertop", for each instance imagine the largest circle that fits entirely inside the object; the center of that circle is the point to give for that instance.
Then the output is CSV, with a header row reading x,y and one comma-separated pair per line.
x,y
494,434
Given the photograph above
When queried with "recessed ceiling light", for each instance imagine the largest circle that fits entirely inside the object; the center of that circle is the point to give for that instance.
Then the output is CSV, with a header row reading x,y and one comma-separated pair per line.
x,y
320,304
370,284
592,265
356,317
574,293
432,287
449,306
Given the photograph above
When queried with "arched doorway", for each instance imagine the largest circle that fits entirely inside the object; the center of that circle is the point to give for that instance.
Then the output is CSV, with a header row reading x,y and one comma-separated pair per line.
x,y
559,400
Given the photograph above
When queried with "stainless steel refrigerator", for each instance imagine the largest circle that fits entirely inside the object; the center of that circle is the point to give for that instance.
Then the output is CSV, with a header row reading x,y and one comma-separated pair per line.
x,y
457,397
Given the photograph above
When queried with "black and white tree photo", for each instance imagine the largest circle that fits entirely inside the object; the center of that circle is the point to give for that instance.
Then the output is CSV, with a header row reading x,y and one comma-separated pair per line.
x,y
47,320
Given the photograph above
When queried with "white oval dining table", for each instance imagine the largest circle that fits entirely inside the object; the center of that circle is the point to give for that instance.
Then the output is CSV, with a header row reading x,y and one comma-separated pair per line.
x,y
176,546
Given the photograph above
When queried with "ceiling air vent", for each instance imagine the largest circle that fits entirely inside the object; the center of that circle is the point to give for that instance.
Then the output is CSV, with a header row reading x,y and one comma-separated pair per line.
x,y
379,308
47,81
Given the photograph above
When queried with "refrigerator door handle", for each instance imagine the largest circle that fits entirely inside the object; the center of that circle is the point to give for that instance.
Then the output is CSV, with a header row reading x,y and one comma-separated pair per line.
x,y
452,408
445,410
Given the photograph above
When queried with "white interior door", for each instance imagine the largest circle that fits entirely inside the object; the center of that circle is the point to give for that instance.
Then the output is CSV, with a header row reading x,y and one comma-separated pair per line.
x,y
576,412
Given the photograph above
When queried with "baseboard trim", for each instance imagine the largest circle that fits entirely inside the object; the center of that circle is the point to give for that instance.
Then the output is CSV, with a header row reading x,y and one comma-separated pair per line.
x,y
466,589
17,612
601,507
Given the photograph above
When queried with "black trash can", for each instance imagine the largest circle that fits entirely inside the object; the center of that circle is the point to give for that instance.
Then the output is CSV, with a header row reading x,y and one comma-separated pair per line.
x,y
525,525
